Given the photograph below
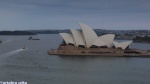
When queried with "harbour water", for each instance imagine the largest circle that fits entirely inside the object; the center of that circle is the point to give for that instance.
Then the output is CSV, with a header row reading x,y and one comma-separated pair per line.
x,y
35,66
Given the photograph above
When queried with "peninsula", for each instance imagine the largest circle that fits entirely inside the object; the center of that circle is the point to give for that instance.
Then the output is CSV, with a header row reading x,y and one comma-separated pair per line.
x,y
88,43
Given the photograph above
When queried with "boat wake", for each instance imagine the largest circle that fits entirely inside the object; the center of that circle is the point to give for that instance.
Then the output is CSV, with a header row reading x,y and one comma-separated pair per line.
x,y
8,54
7,41
12,52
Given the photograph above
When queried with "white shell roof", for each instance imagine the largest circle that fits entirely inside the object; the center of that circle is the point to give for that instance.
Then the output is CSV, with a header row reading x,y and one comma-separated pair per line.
x,y
99,42
122,45
107,39
68,38
89,35
78,37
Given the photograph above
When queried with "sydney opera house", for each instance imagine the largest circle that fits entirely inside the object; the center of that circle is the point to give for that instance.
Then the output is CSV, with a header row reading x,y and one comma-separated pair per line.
x,y
86,42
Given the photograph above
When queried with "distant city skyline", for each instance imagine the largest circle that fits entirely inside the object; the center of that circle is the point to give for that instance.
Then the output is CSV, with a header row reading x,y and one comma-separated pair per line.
x,y
66,14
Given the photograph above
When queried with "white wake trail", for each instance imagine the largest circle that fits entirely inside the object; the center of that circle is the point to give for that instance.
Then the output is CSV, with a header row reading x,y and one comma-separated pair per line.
x,y
6,55
12,52
10,40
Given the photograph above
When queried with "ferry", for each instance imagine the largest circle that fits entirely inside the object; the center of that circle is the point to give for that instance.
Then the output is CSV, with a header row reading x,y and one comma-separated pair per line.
x,y
31,38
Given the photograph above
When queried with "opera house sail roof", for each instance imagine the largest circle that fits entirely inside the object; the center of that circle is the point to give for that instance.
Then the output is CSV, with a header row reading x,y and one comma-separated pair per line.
x,y
78,37
87,37
122,45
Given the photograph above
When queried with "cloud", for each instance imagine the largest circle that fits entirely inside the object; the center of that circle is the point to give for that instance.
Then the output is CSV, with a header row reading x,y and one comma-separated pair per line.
x,y
77,5
20,14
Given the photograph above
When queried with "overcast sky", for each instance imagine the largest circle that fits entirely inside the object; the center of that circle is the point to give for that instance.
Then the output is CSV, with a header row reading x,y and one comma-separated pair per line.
x,y
66,14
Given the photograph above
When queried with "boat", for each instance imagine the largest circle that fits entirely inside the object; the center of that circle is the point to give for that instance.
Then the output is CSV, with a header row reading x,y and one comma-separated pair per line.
x,y
31,38
87,43
24,47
